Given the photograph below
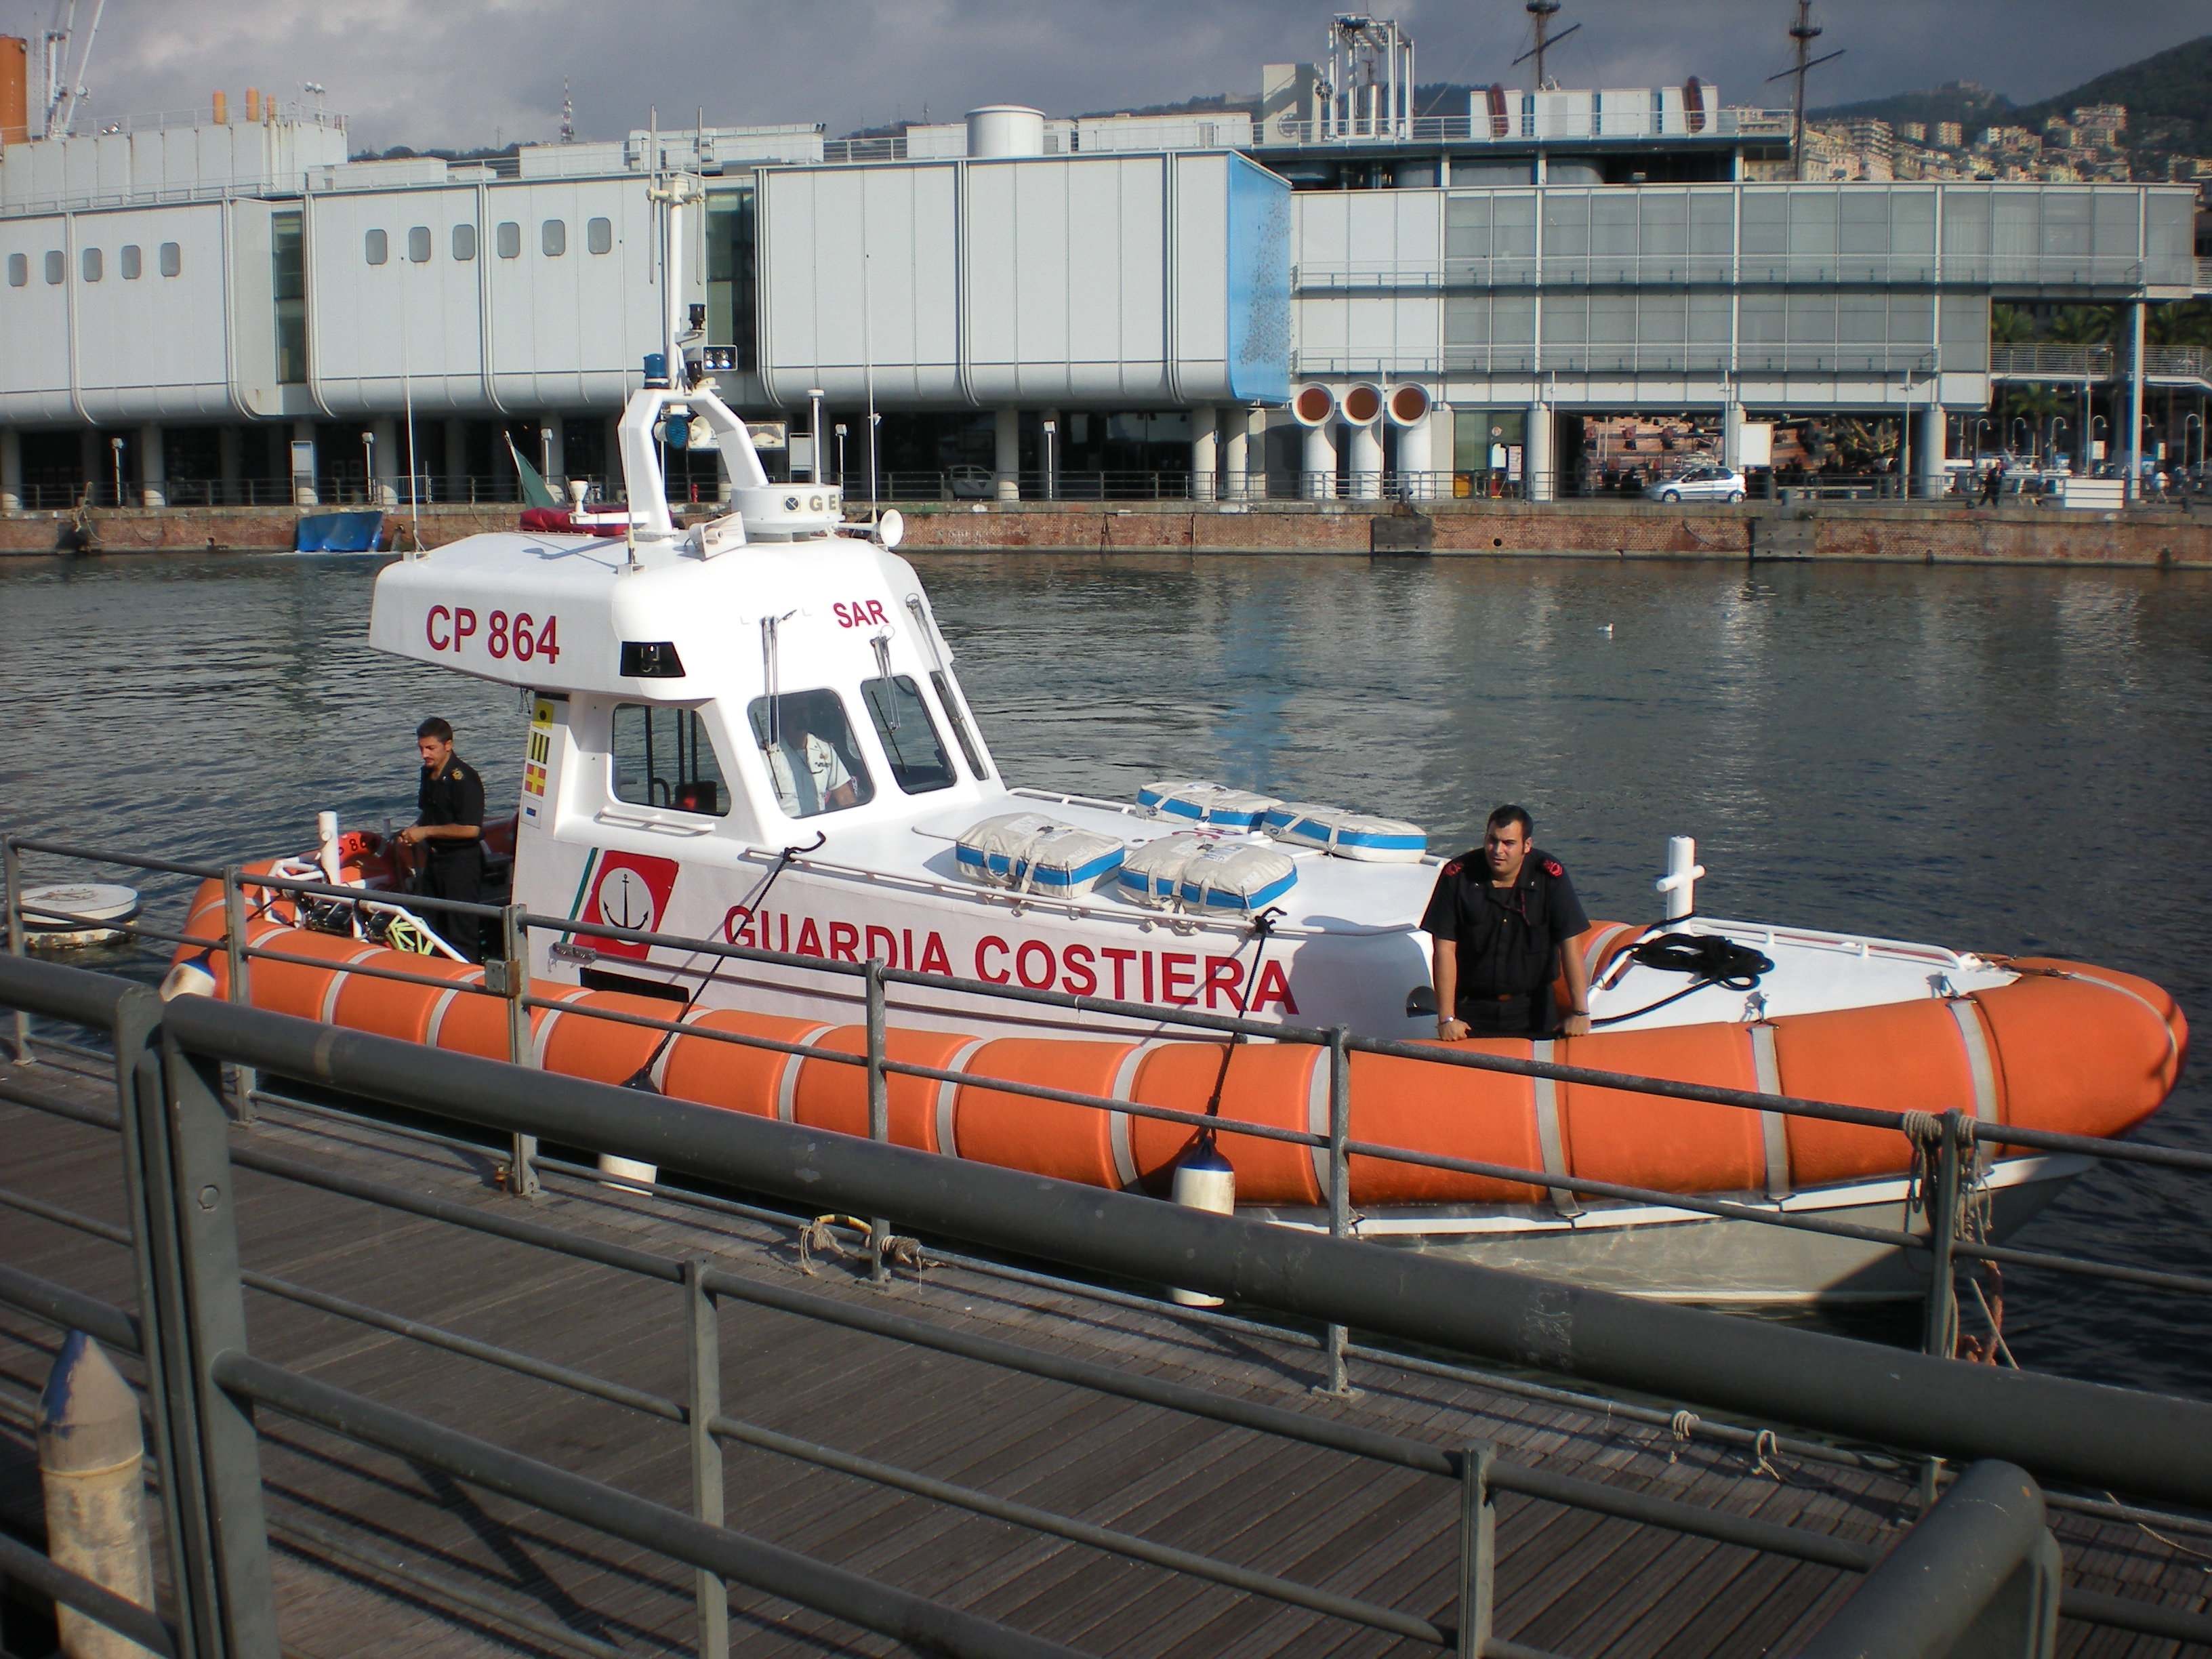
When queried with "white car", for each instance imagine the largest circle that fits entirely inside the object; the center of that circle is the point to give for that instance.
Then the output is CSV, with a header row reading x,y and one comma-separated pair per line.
x,y
1697,484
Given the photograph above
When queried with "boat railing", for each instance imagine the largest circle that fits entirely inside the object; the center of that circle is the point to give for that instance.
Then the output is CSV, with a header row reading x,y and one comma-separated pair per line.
x,y
1987,1541
1951,1152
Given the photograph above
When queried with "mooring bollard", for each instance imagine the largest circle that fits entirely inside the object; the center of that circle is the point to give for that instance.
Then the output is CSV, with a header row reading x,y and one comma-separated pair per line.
x,y
92,1456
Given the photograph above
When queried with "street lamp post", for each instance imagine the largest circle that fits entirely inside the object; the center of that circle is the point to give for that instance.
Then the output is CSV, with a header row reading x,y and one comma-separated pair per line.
x,y
840,454
1981,425
115,448
1050,427
2057,422
369,467
814,434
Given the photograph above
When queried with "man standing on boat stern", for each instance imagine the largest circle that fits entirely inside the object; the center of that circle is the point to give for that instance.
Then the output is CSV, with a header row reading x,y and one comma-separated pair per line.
x,y
446,838
1502,920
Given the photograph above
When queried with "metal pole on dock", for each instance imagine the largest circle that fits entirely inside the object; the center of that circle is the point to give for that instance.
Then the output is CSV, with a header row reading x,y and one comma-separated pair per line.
x,y
1340,1186
879,1115
240,990
513,983
703,1334
11,874
92,1456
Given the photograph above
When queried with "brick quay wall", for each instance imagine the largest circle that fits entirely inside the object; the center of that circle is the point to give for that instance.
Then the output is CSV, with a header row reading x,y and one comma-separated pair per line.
x,y
1902,532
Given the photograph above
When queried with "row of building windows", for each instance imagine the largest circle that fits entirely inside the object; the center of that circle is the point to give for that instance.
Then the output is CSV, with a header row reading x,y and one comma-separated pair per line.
x,y
507,240
93,263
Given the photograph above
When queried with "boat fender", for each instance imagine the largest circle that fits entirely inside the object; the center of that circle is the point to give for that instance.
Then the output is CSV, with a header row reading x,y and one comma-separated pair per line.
x,y
1204,1180
193,976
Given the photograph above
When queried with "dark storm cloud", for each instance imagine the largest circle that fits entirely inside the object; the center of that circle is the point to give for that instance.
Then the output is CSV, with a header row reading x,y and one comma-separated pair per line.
x,y
454,71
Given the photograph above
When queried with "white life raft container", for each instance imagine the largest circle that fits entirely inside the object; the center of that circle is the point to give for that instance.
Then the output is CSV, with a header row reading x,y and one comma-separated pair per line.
x,y
1206,803
1347,835
1199,872
1028,852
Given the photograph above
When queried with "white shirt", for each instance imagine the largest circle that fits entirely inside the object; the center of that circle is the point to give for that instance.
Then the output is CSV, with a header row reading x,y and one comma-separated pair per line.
x,y
805,770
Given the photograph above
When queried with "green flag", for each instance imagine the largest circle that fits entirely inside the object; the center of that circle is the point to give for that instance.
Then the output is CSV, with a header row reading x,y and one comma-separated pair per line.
x,y
535,490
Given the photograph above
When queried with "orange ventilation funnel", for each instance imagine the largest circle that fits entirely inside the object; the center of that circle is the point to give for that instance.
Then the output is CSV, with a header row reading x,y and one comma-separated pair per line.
x,y
15,89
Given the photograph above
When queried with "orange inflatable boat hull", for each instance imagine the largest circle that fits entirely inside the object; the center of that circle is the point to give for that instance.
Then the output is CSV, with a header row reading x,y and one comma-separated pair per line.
x,y
2076,1049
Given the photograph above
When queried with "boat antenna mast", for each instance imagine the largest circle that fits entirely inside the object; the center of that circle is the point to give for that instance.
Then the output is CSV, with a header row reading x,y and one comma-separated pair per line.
x,y
63,86
1540,13
1803,32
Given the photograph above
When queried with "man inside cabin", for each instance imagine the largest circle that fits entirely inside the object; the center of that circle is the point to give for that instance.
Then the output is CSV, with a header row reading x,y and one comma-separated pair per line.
x,y
1502,920
446,840
809,773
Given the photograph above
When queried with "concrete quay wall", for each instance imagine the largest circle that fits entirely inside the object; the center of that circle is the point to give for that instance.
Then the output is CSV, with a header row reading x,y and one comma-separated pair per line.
x,y
1901,532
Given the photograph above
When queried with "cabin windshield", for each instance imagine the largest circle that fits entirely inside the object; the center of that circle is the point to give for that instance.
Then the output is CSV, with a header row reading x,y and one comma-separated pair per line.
x,y
663,757
919,762
807,745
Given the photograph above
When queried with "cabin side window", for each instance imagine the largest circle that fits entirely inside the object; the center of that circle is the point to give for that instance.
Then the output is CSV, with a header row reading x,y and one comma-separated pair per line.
x,y
806,743
663,757
919,762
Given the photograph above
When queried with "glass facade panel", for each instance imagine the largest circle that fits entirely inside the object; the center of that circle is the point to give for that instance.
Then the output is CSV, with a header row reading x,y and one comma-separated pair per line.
x,y
1612,227
1655,315
1812,224
1966,323
289,287
1566,318
1710,314
732,274
2066,222
1566,225
1766,224
1712,222
1862,319
1466,227
1912,221
1863,221
1663,221
1513,227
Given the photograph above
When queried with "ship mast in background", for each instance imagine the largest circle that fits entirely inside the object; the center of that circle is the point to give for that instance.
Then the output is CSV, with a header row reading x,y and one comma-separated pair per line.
x,y
65,86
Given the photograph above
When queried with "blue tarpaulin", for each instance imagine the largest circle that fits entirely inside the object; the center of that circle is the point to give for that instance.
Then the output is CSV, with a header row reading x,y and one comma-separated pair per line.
x,y
340,532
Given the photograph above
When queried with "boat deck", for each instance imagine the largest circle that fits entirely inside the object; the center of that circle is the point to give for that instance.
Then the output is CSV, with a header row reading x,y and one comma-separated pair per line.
x,y
356,1532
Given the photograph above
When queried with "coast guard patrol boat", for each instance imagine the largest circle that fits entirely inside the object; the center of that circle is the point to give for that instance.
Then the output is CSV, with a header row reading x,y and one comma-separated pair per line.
x,y
750,730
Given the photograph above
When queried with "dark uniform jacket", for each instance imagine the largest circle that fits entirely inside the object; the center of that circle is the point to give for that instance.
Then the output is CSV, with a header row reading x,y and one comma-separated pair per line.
x,y
453,794
1506,938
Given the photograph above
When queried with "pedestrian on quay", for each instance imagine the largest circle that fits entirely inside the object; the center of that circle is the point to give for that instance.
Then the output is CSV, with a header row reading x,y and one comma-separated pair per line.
x,y
1993,481
1502,922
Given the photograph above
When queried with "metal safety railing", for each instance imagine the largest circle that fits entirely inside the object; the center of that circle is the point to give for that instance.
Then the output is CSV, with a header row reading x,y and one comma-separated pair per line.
x,y
204,1381
1952,1152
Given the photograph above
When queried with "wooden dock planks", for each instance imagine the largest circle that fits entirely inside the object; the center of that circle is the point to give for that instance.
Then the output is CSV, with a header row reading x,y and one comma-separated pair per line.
x,y
1567,1580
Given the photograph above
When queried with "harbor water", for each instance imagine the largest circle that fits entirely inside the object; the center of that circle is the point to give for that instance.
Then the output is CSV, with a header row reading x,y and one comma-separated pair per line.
x,y
2008,760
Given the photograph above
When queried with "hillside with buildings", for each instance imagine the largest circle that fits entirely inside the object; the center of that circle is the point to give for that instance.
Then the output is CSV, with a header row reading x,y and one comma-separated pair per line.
x,y
2150,120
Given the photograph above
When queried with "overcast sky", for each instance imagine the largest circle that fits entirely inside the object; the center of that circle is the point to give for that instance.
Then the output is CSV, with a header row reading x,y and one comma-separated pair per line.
x,y
464,72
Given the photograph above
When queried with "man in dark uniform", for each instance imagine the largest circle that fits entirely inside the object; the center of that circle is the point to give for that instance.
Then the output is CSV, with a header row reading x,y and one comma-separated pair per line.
x,y
446,838
1503,919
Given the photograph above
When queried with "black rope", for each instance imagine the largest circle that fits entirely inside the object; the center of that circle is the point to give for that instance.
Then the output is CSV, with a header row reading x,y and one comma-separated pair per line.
x,y
1709,959
642,1078
1263,929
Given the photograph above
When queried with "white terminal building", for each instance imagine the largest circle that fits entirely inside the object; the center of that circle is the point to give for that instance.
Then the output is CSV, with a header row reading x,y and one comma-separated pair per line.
x,y
1305,302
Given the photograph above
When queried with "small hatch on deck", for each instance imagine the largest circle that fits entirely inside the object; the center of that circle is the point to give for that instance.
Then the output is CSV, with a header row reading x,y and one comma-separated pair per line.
x,y
651,659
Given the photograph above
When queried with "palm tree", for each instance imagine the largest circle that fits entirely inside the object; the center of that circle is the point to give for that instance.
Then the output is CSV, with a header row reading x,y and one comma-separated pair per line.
x,y
2011,325
2084,324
